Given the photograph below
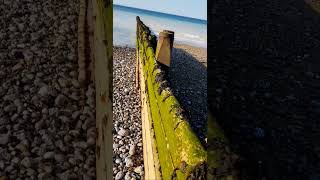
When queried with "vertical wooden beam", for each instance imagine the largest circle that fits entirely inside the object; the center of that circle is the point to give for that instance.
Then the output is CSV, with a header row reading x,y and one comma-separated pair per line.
x,y
164,47
90,32
103,17
82,72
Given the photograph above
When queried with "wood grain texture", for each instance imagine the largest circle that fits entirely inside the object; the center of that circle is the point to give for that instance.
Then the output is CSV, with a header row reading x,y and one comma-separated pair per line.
x,y
102,21
150,155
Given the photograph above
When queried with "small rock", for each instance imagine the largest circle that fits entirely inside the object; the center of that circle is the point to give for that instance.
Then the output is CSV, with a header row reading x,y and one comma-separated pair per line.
x,y
132,150
122,132
62,82
126,90
30,172
75,83
138,170
15,160
118,161
49,155
119,175
91,141
39,125
59,157
4,139
60,100
64,119
17,67
129,162
127,176
1,165
44,91
26,162
9,108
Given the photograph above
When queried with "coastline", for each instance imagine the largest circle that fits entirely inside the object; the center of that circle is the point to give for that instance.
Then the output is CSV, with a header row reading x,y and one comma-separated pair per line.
x,y
200,53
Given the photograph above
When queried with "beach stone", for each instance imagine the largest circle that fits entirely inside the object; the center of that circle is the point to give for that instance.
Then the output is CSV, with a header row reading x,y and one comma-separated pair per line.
x,y
122,132
59,158
138,170
127,176
118,161
31,172
39,125
4,139
60,100
129,162
44,91
132,150
119,175
2,165
17,67
49,155
75,115
26,162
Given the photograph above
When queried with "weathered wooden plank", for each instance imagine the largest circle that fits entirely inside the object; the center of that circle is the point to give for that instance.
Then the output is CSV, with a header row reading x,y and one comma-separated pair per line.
x,y
150,156
102,20
181,155
82,72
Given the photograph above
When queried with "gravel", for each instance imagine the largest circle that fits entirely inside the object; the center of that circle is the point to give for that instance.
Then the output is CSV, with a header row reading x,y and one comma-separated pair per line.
x,y
127,118
47,122
188,80
264,89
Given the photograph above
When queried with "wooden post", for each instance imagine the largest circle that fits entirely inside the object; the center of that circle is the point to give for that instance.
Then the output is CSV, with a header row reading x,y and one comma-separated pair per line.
x,y
102,41
82,73
171,36
164,47
137,53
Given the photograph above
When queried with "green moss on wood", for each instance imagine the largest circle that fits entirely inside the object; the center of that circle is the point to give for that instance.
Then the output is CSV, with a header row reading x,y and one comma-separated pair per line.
x,y
180,151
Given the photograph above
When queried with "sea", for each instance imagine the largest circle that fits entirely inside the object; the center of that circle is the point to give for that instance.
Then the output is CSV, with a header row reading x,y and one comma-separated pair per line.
x,y
187,30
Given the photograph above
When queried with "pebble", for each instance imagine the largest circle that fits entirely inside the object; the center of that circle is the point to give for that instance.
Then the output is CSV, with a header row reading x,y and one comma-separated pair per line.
x,y
60,100
48,155
129,162
44,91
2,165
59,157
17,67
26,162
118,161
132,150
126,113
4,139
127,176
138,170
119,175
30,172
122,132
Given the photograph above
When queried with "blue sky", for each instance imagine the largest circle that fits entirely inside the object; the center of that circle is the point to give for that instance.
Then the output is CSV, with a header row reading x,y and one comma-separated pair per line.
x,y
190,8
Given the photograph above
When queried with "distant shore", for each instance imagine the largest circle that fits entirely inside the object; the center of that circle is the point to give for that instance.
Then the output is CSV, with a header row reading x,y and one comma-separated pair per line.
x,y
198,53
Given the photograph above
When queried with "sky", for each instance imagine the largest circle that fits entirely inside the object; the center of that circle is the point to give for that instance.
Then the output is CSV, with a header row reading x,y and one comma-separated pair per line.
x,y
189,8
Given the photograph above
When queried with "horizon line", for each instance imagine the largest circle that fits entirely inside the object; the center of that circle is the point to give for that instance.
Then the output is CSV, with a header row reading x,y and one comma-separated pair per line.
x,y
161,12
